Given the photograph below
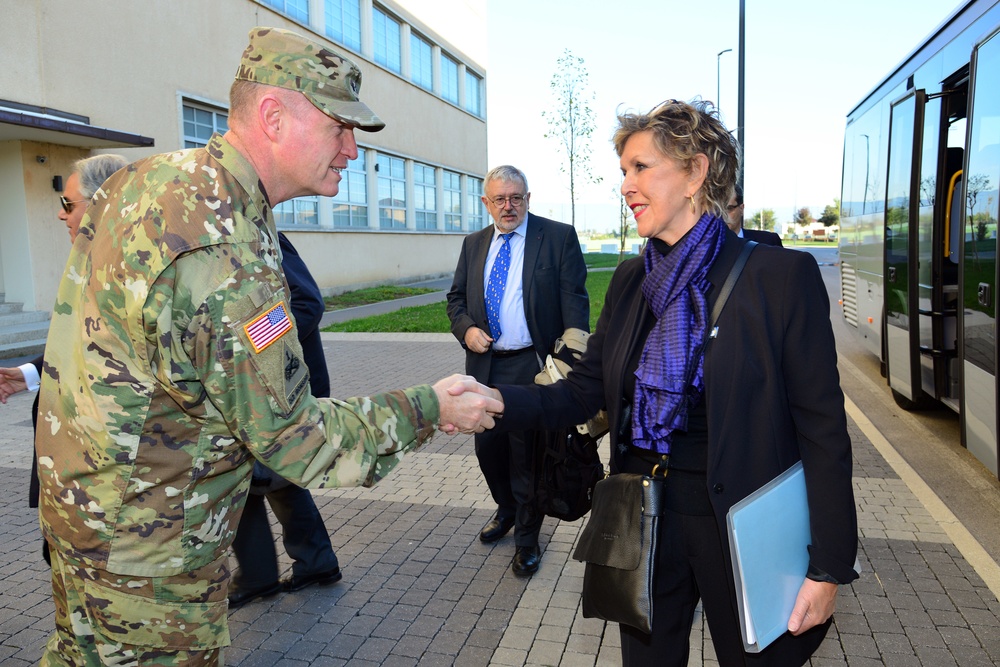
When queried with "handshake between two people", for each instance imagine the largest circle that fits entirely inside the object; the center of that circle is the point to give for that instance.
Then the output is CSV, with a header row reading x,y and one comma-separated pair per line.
x,y
466,406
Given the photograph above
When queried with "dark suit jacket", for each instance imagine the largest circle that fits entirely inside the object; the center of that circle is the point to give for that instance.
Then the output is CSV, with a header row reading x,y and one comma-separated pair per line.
x,y
33,489
307,308
772,390
554,288
762,236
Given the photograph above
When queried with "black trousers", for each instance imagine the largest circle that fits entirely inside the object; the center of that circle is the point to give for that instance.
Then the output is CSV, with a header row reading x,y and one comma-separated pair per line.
x,y
692,564
507,459
303,533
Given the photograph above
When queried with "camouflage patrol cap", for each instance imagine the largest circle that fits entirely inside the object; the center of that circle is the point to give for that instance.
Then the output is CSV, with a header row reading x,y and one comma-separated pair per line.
x,y
282,58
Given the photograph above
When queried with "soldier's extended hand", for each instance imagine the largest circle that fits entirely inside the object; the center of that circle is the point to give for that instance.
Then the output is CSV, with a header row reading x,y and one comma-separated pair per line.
x,y
465,405
477,340
11,382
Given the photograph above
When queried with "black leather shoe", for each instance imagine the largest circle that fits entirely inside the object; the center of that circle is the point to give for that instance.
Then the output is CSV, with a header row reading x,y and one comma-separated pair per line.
x,y
241,596
495,529
526,560
295,583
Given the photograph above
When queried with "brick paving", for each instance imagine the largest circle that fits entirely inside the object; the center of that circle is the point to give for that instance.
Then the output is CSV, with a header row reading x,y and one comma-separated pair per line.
x,y
420,589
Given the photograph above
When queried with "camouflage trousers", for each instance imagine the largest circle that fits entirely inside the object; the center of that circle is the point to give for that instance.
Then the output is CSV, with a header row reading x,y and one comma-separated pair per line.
x,y
108,619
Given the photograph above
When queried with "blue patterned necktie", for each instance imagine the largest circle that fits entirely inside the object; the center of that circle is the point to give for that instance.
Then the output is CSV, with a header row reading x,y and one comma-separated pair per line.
x,y
495,287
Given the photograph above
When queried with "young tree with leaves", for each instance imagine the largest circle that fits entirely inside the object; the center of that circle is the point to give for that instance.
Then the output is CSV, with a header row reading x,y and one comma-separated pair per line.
x,y
831,214
571,122
803,217
764,219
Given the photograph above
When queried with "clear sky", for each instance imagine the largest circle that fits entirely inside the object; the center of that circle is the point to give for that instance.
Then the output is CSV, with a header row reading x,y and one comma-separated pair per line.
x,y
807,65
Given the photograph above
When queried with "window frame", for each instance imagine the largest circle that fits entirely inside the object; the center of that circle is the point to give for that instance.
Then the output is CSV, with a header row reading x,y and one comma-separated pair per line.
x,y
478,87
424,193
355,209
446,88
217,112
344,16
282,6
381,19
384,168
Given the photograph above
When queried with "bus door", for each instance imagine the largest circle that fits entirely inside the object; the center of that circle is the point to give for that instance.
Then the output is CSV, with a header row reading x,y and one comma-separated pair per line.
x,y
902,202
978,272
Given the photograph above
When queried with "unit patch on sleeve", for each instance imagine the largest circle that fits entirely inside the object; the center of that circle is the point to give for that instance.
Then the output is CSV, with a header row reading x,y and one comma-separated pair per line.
x,y
268,328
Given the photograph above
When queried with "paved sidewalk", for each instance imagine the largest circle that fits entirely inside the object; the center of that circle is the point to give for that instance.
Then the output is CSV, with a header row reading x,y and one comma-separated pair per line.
x,y
420,589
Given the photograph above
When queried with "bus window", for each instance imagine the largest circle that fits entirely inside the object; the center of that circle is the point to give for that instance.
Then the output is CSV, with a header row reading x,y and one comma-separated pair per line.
x,y
953,172
981,205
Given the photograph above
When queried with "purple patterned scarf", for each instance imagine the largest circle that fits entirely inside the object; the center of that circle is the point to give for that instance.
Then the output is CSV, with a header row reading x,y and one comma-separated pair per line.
x,y
670,377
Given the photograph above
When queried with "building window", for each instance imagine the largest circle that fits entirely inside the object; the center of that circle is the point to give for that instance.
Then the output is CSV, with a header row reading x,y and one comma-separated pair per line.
x,y
425,196
350,206
200,122
297,9
391,192
449,79
343,22
298,211
452,201
473,94
477,210
421,65
385,30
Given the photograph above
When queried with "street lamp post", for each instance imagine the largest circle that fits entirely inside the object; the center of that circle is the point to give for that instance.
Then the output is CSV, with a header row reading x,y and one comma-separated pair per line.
x,y
718,60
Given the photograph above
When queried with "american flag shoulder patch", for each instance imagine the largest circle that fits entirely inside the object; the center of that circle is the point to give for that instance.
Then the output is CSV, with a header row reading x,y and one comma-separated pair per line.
x,y
268,328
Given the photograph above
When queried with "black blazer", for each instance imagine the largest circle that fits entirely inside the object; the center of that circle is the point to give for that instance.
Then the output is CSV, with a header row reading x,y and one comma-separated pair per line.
x,y
554,288
762,236
306,302
33,489
772,389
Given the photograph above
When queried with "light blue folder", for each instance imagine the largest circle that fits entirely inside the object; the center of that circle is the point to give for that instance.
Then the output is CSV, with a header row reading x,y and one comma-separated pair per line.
x,y
769,538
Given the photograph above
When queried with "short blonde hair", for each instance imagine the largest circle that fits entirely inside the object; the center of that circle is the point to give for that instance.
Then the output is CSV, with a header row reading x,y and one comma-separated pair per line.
x,y
682,130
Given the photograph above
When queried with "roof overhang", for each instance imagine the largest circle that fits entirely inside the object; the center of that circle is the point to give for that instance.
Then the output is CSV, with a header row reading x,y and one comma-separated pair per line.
x,y
22,122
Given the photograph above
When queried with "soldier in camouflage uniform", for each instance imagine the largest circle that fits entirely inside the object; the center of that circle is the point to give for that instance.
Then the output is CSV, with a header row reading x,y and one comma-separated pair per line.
x,y
173,363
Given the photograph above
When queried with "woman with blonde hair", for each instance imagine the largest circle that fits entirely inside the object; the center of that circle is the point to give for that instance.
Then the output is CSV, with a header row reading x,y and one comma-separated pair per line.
x,y
725,413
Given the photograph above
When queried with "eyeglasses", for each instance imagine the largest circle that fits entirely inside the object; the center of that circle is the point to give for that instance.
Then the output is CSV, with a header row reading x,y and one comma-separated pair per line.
x,y
515,201
733,207
68,205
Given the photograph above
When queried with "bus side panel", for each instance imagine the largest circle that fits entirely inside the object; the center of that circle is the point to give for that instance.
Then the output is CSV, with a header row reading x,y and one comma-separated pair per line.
x,y
980,415
870,269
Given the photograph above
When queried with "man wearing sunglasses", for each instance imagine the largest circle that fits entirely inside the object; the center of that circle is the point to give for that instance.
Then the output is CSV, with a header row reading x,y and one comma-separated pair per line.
x,y
88,175
519,284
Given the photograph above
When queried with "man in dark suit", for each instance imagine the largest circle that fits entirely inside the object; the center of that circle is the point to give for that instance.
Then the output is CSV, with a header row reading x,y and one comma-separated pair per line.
x,y
303,532
518,285
734,215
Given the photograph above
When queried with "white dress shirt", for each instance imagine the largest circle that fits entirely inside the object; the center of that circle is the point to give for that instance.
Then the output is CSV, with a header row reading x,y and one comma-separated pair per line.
x,y
513,323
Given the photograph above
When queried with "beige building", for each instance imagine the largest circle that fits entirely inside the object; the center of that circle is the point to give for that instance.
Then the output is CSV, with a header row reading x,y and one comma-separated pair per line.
x,y
136,78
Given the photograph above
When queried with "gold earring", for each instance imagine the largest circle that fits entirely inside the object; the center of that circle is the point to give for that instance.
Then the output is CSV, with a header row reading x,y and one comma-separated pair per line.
x,y
691,199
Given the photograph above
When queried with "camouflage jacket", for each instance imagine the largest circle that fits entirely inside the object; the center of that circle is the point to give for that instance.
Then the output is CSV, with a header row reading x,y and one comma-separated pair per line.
x,y
172,362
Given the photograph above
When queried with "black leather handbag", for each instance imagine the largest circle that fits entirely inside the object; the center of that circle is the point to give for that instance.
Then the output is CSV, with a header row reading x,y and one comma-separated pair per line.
x,y
619,547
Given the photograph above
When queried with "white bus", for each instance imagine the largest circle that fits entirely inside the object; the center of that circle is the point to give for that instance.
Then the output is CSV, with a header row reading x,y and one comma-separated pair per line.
x,y
920,202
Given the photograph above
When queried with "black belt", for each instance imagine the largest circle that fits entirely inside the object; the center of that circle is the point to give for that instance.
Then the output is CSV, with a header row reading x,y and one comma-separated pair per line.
x,y
500,354
647,455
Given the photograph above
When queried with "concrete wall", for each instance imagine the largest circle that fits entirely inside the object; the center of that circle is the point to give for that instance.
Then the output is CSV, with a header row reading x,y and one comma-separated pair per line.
x,y
342,261
128,65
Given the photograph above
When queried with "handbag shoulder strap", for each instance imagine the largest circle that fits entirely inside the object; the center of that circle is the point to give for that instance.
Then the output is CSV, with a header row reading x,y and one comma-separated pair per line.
x,y
727,287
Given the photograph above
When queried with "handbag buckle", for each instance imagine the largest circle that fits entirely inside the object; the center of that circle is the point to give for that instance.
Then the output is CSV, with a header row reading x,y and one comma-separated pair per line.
x,y
662,467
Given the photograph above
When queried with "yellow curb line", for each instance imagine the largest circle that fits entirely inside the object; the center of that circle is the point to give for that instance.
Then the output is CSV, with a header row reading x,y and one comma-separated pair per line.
x,y
967,545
